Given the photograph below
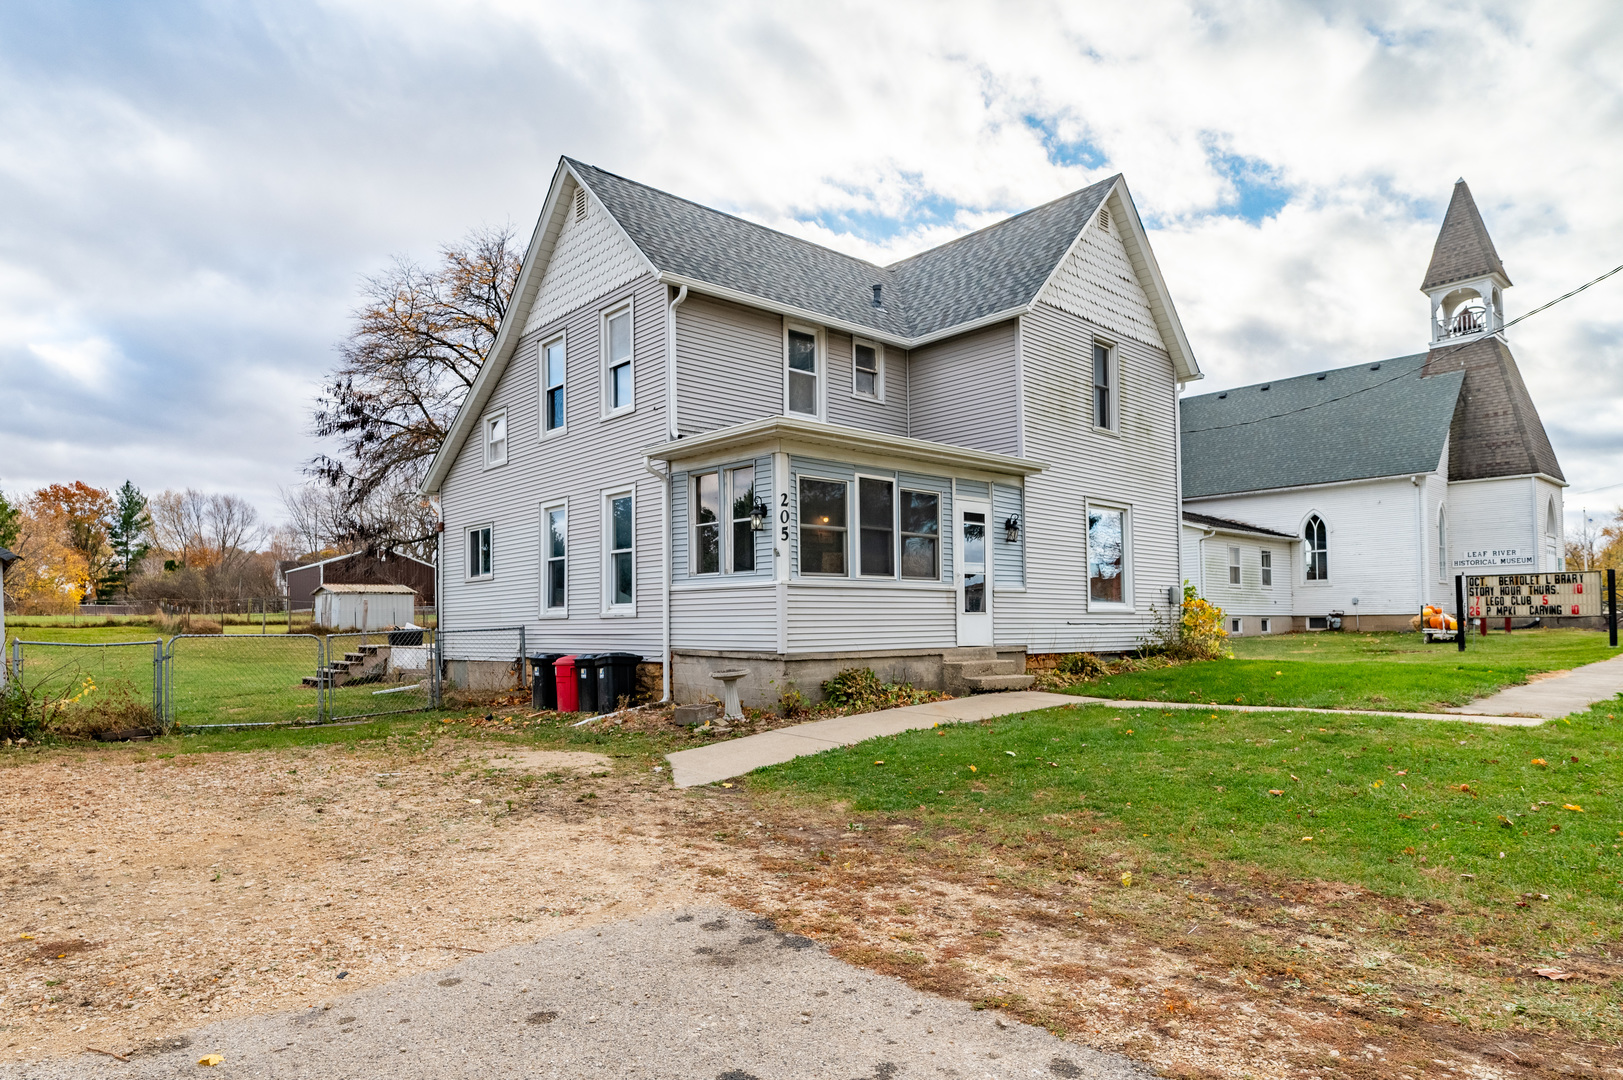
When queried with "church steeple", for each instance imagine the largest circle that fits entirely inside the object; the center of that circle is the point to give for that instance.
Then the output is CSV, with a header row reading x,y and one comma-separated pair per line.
x,y
1465,281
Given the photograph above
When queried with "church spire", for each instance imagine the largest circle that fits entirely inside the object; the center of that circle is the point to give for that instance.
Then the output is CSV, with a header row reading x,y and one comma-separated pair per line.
x,y
1465,280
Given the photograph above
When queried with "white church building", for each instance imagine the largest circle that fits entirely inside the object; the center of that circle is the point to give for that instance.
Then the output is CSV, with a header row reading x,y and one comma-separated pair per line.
x,y
1356,494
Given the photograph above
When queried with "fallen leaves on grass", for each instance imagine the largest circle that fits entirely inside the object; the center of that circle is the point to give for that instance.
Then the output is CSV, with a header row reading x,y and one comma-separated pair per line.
x,y
1553,974
1572,806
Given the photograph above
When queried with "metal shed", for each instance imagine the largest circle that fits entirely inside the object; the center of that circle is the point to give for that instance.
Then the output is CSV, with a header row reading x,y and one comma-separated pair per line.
x,y
364,607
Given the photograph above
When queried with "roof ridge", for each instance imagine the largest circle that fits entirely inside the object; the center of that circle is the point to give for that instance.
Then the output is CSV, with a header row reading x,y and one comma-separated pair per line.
x,y
1310,374
1005,221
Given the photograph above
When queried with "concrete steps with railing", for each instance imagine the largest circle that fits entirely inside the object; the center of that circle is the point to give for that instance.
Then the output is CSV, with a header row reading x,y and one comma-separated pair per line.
x,y
984,670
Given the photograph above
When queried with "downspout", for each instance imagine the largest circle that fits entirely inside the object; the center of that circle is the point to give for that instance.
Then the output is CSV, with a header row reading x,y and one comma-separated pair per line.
x,y
665,575
670,363
1420,540
1177,493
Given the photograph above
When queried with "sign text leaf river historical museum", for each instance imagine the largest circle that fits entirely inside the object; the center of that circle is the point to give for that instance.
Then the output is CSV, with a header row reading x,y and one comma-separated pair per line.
x,y
1524,596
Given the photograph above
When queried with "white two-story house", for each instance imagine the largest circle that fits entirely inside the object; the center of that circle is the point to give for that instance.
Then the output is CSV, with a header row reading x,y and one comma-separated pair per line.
x,y
720,447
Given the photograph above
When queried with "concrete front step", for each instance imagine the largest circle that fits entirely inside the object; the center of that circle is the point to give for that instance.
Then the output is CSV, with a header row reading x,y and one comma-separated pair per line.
x,y
970,669
977,669
984,684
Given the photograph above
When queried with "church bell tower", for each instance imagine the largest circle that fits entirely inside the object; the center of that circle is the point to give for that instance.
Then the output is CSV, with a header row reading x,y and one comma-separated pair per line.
x,y
1465,281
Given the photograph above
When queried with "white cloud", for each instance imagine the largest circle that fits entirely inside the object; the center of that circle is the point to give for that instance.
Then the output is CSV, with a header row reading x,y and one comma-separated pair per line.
x,y
200,188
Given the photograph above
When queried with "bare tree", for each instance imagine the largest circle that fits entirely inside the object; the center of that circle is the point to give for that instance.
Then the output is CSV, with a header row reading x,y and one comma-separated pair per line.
x,y
415,348
177,525
230,530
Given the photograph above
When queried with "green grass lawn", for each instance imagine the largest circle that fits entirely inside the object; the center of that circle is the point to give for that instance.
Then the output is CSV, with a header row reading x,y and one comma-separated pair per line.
x,y
1413,807
1360,671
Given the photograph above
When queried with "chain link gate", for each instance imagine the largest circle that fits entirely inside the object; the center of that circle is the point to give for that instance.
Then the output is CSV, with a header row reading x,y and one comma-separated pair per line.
x,y
381,672
101,686
215,681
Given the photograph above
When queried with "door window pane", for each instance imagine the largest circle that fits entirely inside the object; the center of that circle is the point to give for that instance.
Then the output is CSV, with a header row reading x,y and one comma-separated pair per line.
x,y
802,373
876,506
557,545
921,526
621,557
822,526
867,370
1106,556
707,523
974,556
743,488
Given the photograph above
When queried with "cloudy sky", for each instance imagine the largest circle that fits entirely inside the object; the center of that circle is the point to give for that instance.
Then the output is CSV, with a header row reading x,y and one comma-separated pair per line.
x,y
192,191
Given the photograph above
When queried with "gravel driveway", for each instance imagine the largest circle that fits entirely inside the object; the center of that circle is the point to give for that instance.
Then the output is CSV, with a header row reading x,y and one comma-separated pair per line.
x,y
702,993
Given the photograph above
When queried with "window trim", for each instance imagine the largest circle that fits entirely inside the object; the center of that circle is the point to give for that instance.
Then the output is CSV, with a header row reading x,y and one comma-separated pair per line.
x,y
507,438
901,537
895,526
608,608
878,396
820,352
800,527
1266,626
1265,564
560,340
1308,550
1112,388
720,473
1126,603
1235,556
467,575
1237,625
730,522
607,409
547,611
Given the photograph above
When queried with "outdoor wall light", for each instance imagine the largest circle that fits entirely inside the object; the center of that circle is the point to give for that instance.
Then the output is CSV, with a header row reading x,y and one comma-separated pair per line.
x,y
758,514
1011,529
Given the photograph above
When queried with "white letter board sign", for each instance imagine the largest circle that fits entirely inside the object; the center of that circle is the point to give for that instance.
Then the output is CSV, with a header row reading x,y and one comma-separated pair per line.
x,y
1528,596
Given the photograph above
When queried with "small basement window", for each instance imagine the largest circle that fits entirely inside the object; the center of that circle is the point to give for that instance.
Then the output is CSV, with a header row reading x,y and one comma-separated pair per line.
x,y
1234,626
1267,626
1318,622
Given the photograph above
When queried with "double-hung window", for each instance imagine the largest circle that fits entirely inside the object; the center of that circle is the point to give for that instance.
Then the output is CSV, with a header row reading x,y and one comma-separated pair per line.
x,y
707,523
822,526
555,564
1234,566
803,390
552,386
921,535
867,370
618,388
480,564
1107,555
741,551
1267,568
496,440
876,523
1104,387
620,554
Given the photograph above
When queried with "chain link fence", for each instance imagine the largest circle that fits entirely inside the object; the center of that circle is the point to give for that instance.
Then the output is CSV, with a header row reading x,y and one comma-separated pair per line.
x,y
245,680
91,687
374,674
482,661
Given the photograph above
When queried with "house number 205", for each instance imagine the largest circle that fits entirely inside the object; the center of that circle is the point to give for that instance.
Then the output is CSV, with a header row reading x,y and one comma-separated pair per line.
x,y
783,516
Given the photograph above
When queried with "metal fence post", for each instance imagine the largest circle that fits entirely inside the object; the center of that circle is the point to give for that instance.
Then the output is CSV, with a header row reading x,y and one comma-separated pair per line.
x,y
1611,606
157,685
523,675
1459,610
437,659
324,683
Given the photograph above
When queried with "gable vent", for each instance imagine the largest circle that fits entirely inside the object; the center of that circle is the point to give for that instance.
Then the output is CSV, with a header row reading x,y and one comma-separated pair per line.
x,y
1104,219
580,204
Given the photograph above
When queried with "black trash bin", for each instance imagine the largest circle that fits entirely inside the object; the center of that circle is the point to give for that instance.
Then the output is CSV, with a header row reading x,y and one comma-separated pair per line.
x,y
543,684
616,679
586,682
406,635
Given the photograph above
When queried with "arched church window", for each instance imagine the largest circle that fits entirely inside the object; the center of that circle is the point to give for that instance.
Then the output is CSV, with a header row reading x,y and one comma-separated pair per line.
x,y
1317,559
1552,524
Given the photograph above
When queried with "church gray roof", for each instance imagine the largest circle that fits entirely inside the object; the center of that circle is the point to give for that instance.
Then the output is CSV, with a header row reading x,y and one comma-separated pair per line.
x,y
1464,249
1349,423
1497,430
996,269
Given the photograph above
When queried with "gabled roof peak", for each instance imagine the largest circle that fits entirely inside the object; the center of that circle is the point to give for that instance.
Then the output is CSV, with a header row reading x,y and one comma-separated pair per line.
x,y
1464,250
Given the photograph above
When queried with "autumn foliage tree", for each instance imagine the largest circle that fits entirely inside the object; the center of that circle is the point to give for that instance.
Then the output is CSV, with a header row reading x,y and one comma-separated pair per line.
x,y
81,512
416,345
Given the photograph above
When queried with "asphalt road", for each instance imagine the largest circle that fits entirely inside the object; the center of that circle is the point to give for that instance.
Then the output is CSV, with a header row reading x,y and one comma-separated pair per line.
x,y
706,994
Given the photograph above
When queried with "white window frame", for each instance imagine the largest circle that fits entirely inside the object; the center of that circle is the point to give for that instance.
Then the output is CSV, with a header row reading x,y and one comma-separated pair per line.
x,y
1236,625
901,537
730,522
800,526
1234,564
467,568
1112,388
821,354
723,521
561,341
878,394
1267,625
1265,564
855,508
1126,511
547,611
490,421
609,608
606,372
1308,549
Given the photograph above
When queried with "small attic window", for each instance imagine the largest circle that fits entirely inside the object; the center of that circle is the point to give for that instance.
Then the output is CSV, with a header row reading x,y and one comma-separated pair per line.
x,y
580,204
878,296
1104,219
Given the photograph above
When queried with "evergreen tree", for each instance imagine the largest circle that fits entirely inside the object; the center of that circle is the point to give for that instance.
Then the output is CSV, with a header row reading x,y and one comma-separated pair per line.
x,y
128,529
11,522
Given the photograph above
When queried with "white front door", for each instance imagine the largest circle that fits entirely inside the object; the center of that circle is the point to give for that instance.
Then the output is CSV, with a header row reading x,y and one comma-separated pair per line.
x,y
974,578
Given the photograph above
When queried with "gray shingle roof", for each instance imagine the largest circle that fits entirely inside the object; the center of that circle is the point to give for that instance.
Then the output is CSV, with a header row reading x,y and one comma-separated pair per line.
x,y
1464,249
992,270
1497,431
1346,424
1192,518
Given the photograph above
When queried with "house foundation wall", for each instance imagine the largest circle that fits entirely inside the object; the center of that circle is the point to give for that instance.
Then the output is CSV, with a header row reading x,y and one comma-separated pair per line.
x,y
771,675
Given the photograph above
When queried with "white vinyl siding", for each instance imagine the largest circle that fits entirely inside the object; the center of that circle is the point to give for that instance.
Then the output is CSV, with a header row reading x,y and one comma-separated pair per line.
x,y
965,390
590,258
1098,282
1008,559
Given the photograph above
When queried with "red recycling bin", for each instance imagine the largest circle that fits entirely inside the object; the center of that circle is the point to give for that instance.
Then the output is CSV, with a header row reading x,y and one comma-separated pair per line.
x,y
564,669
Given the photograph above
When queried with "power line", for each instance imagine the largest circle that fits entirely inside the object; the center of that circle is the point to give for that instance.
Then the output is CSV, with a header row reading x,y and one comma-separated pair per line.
x,y
1406,374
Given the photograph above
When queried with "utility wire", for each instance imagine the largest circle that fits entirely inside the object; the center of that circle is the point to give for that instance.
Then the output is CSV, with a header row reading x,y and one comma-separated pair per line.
x,y
1406,374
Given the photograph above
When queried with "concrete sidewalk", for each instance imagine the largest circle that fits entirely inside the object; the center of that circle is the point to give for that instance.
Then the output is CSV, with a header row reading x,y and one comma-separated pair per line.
x,y
735,757
1470,718
1560,695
